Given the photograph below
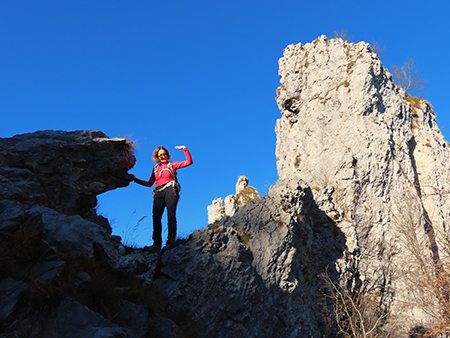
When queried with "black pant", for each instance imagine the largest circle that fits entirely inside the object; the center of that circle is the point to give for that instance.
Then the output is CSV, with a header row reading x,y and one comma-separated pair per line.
x,y
162,199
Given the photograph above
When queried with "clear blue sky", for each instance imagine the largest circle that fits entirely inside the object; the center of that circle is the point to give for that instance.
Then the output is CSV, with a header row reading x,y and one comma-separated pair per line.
x,y
197,73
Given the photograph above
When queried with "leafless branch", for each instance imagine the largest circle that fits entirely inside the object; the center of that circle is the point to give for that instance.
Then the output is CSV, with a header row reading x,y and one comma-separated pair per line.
x,y
408,77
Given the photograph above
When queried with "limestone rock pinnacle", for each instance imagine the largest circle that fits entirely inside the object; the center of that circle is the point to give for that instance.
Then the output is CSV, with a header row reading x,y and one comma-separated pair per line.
x,y
374,158
220,208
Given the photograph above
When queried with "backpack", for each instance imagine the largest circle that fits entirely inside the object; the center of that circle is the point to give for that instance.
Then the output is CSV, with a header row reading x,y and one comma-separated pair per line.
x,y
175,183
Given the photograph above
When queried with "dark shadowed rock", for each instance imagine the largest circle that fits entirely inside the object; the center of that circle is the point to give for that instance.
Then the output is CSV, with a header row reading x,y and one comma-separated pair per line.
x,y
49,181
73,320
256,273
64,171
11,290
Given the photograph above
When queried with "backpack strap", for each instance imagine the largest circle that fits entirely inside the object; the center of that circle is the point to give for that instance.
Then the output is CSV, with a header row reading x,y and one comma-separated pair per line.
x,y
169,167
176,186
172,172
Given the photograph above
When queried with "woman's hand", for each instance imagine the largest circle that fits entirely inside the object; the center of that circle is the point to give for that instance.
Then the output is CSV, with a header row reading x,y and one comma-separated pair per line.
x,y
180,147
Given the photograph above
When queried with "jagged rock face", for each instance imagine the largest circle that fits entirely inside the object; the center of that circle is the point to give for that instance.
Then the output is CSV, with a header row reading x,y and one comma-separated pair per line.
x,y
256,274
216,210
64,171
49,181
374,158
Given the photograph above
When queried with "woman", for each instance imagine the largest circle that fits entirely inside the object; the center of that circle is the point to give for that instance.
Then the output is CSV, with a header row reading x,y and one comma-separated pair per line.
x,y
166,193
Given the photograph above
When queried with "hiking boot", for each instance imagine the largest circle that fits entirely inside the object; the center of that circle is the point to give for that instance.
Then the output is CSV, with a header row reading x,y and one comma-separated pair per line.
x,y
154,248
170,244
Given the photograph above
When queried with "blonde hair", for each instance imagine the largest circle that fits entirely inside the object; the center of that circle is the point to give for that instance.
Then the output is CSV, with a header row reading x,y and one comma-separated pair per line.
x,y
155,154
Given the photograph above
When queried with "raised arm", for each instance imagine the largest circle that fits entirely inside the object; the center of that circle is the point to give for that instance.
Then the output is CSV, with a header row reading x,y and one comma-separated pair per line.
x,y
186,163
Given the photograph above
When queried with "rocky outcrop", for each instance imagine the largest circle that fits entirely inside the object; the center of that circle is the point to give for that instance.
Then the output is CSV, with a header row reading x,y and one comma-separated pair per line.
x,y
220,208
49,181
377,164
255,274
377,167
64,171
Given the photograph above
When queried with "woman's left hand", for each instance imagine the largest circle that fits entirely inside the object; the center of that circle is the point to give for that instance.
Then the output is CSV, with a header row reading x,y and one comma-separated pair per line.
x,y
180,147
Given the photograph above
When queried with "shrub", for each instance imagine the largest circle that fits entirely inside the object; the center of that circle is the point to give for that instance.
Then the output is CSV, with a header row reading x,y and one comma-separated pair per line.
x,y
342,34
356,312
377,49
408,77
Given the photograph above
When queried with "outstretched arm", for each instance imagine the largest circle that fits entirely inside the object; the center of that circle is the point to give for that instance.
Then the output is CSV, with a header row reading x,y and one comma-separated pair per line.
x,y
148,183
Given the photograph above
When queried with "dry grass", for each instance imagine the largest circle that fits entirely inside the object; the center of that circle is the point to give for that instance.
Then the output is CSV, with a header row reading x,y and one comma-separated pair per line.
x,y
423,265
377,49
324,99
342,34
216,227
356,311
131,145
415,104
245,237
246,195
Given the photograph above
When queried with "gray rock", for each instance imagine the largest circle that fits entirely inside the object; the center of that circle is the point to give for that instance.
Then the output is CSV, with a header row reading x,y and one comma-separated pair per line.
x,y
256,273
63,170
377,164
220,208
165,328
46,270
72,233
48,186
134,317
73,320
11,290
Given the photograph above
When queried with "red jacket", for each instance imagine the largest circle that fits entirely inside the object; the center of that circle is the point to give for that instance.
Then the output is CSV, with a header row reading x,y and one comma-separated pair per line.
x,y
163,175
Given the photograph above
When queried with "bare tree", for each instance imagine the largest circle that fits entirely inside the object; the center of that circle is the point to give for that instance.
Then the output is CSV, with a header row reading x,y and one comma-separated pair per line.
x,y
377,48
357,313
421,265
409,77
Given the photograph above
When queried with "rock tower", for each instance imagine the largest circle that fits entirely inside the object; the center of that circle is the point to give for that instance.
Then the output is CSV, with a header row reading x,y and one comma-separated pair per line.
x,y
376,163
